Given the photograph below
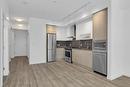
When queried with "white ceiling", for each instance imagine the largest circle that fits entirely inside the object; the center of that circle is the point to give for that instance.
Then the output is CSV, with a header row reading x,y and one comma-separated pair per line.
x,y
48,9
55,10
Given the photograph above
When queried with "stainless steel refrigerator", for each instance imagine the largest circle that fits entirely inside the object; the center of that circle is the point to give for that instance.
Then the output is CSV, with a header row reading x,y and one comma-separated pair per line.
x,y
51,37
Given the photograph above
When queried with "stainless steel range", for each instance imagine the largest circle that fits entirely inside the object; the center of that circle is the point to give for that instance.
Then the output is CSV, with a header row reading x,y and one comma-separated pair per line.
x,y
68,55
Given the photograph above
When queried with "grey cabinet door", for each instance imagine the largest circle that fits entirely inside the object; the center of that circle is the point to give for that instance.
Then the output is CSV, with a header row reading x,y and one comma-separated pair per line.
x,y
100,62
100,25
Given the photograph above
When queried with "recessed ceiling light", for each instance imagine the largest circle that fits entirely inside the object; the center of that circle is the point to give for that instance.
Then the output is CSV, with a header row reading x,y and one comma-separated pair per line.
x,y
19,19
20,25
84,15
7,18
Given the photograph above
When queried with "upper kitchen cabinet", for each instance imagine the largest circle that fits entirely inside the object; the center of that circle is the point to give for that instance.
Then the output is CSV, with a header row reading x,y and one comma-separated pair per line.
x,y
60,33
100,25
51,28
70,31
84,30
64,33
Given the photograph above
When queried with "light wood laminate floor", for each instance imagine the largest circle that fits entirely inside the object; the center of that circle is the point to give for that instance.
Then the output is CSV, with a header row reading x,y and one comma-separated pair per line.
x,y
56,74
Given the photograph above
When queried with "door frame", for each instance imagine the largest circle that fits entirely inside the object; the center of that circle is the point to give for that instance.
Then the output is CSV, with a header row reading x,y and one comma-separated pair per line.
x,y
1,46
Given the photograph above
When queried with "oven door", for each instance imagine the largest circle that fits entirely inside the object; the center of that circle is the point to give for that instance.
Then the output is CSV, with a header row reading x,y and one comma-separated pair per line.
x,y
67,53
68,56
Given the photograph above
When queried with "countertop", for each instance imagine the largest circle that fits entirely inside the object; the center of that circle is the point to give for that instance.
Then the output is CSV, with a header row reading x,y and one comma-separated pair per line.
x,y
77,48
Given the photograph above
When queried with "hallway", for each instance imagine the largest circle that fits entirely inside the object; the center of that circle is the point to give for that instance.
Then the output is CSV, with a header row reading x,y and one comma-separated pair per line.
x,y
57,74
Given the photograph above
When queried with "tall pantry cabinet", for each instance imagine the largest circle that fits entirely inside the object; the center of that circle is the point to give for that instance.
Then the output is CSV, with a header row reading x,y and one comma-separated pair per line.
x,y
100,25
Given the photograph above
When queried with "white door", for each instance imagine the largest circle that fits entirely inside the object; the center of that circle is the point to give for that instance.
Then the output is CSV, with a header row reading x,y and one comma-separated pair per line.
x,y
20,43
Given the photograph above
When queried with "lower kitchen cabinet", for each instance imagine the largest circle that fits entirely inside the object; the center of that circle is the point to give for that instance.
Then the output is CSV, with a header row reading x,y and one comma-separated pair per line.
x,y
60,53
82,57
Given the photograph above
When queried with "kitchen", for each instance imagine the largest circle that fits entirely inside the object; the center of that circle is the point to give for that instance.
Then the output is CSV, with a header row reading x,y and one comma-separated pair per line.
x,y
83,43
64,43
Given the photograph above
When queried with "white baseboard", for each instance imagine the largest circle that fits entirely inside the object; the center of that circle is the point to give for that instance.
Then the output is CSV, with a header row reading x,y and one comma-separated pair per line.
x,y
6,72
36,62
128,74
114,77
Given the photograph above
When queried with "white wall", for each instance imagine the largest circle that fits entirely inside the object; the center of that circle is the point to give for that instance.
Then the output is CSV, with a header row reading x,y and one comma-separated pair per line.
x,y
118,39
37,36
6,47
28,45
3,6
126,27
11,43
1,49
84,27
20,43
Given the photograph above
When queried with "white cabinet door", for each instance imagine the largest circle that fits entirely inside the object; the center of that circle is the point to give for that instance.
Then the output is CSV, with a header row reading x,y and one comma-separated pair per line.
x,y
60,53
82,57
60,34
70,30
84,28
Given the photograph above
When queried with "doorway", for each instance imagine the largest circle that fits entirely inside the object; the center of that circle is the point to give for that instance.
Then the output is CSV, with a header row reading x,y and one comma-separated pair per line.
x,y
20,42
